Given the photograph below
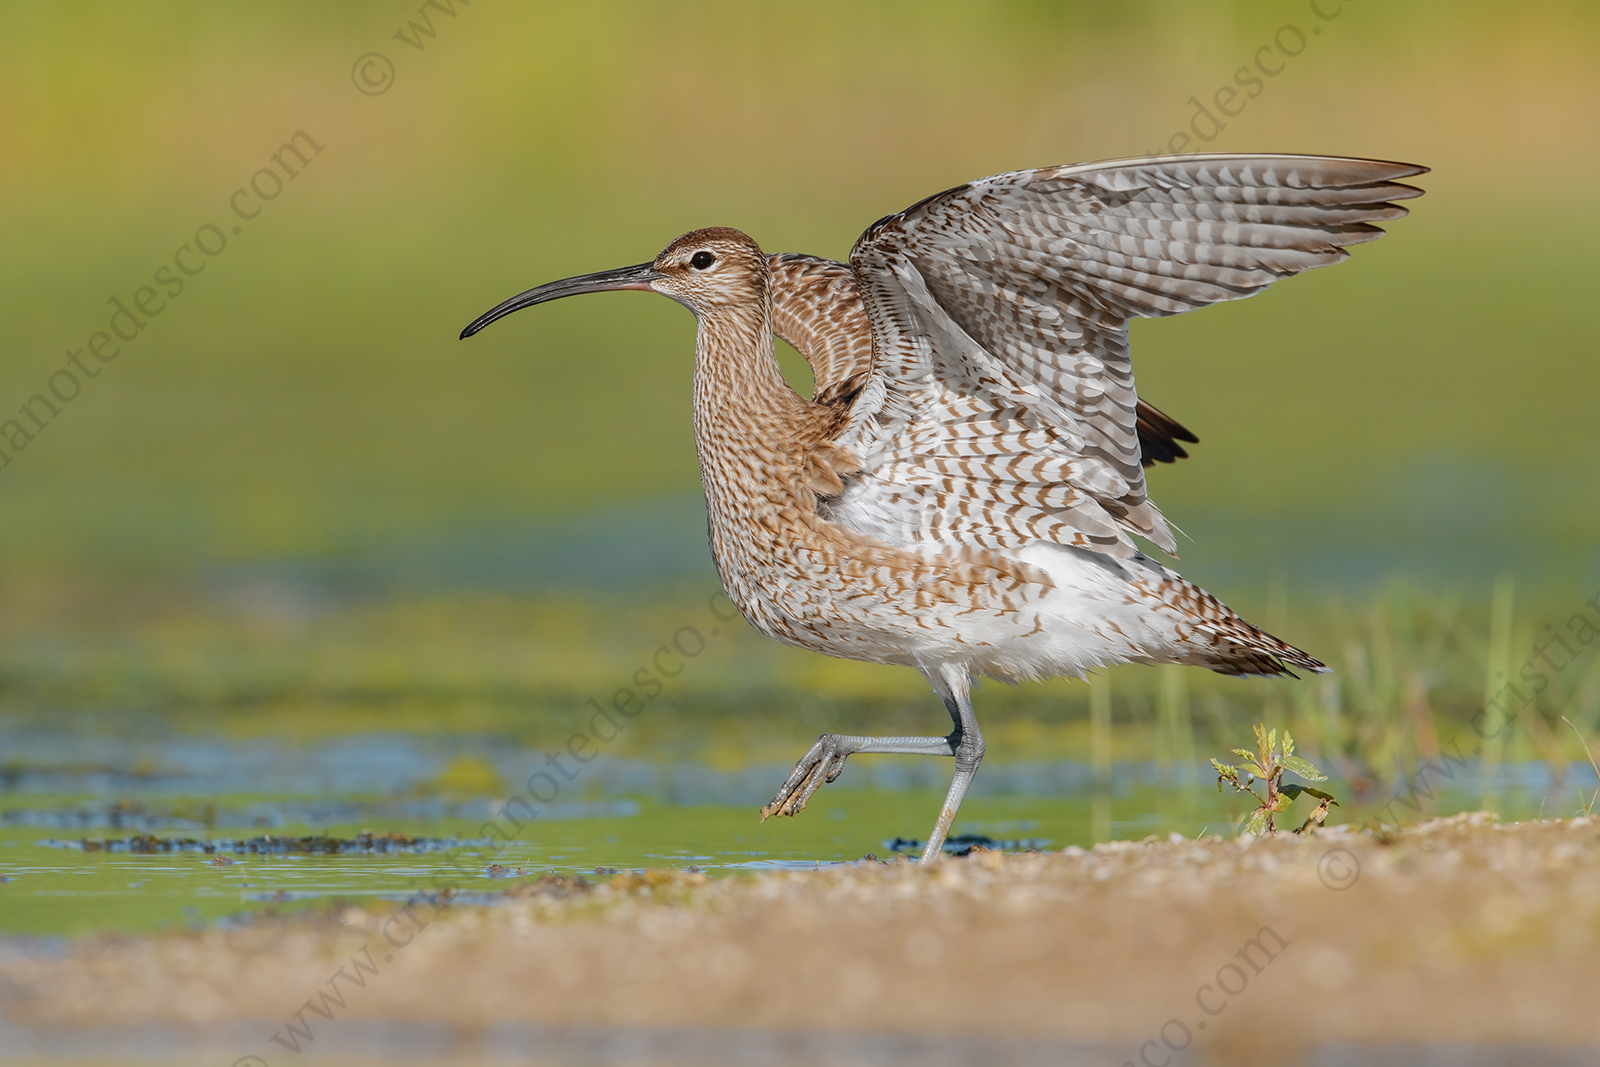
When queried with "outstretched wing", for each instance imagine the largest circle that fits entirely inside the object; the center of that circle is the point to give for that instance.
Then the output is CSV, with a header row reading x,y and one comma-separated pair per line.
x,y
817,309
1000,409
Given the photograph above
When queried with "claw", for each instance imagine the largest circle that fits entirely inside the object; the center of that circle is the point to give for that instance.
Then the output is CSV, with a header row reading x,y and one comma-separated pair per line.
x,y
823,763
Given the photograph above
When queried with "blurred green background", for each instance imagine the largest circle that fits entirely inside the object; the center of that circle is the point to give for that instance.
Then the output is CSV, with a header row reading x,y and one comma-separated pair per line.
x,y
296,507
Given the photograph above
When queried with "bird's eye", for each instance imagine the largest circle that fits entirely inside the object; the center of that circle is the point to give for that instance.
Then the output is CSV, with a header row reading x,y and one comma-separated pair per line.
x,y
702,260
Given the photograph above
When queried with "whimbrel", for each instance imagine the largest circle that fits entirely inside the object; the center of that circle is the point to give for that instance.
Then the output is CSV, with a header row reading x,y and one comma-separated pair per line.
x,y
961,493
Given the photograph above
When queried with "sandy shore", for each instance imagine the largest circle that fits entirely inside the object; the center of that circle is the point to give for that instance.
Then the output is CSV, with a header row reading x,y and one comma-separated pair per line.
x,y
1457,931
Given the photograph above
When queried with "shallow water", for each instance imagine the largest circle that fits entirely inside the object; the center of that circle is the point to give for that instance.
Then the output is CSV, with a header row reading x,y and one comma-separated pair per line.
x,y
71,806
57,887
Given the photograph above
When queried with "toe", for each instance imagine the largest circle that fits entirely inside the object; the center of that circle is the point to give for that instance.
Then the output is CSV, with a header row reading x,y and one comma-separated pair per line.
x,y
820,765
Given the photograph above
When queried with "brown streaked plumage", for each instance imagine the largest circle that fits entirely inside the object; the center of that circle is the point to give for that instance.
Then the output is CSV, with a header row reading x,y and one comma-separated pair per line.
x,y
961,493
816,308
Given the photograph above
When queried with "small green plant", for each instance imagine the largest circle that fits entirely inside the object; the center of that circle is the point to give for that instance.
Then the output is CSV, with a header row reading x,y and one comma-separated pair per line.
x,y
1587,809
1268,762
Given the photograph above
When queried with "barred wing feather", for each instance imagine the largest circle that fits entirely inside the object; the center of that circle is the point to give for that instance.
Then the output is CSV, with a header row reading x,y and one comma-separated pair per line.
x,y
817,308
1000,407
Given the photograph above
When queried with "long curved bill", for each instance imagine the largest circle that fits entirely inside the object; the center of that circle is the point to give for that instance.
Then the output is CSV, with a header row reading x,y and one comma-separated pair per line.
x,y
638,277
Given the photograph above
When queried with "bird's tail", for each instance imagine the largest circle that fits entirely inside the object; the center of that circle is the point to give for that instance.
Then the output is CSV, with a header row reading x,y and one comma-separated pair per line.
x,y
1218,637
1256,652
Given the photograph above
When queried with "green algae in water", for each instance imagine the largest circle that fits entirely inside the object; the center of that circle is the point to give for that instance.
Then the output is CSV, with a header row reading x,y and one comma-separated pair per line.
x,y
58,891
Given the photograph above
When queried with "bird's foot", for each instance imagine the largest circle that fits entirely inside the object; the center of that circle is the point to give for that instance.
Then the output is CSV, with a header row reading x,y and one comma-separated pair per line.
x,y
823,763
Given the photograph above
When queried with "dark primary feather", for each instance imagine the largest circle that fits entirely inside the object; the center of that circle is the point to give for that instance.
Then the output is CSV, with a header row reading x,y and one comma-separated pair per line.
x,y
1159,434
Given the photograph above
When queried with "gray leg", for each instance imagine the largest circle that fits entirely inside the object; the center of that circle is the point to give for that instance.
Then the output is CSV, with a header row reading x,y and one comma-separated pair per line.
x,y
968,751
825,761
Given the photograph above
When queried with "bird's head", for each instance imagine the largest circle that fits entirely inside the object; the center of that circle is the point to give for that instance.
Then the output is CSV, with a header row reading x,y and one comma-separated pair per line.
x,y
703,270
